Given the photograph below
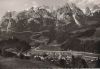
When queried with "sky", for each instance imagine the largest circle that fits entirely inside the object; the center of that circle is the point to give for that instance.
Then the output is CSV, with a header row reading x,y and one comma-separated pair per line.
x,y
18,5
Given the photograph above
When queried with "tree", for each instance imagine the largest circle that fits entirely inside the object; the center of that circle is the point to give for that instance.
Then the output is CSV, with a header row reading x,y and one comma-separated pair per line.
x,y
97,48
97,63
18,45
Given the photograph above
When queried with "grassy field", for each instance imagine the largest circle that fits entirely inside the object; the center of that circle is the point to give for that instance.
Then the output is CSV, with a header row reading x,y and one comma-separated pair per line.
x,y
15,63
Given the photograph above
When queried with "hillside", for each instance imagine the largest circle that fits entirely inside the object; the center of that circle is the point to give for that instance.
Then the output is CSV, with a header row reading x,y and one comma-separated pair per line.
x,y
68,26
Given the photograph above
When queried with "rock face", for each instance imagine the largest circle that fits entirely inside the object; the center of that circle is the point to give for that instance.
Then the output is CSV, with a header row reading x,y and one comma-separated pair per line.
x,y
70,14
27,18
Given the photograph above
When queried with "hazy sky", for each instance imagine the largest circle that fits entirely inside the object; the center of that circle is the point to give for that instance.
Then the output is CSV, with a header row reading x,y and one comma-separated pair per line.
x,y
11,5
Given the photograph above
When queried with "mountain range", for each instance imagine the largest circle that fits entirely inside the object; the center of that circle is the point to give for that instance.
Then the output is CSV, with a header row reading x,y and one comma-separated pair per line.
x,y
67,26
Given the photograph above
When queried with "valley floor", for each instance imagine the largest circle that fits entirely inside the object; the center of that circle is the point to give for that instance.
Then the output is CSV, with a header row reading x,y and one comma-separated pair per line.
x,y
15,63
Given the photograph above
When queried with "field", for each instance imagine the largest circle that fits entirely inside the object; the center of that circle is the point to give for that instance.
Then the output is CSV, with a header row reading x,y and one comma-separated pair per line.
x,y
15,63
